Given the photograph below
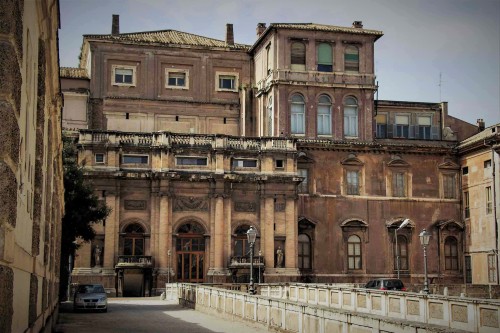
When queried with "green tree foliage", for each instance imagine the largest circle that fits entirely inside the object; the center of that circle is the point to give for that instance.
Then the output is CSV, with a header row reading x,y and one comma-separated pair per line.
x,y
82,209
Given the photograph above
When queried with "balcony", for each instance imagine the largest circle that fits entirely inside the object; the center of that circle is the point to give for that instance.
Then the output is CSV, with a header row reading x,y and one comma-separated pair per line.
x,y
244,262
134,262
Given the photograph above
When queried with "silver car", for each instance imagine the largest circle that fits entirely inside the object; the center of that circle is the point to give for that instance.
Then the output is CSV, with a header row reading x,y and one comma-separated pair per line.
x,y
90,297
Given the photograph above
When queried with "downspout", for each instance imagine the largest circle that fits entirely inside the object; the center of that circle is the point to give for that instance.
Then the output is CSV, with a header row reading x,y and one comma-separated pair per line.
x,y
494,203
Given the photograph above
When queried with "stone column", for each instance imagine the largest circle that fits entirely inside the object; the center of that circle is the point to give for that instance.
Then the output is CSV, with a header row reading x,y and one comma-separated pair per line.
x,y
291,232
268,237
164,234
219,233
111,231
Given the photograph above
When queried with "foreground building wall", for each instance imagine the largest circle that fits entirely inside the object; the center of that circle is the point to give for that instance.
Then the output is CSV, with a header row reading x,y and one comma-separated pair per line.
x,y
31,200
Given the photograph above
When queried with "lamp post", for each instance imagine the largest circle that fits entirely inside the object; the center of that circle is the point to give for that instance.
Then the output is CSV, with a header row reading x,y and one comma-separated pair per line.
x,y
405,222
251,235
169,254
424,240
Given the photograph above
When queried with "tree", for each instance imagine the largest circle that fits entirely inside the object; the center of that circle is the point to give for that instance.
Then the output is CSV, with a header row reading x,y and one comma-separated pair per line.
x,y
82,210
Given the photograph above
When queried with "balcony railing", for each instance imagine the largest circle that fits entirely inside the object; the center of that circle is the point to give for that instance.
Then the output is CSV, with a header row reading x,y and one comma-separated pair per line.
x,y
244,261
134,261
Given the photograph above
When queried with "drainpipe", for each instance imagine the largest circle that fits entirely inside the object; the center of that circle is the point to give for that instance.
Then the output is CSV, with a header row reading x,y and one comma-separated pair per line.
x,y
494,203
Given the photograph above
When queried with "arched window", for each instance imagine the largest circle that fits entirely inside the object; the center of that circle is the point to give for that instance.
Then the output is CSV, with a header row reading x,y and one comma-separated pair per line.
x,y
325,58
297,121
298,56
304,252
133,242
451,253
241,247
270,116
324,115
402,251
190,249
351,59
351,117
354,252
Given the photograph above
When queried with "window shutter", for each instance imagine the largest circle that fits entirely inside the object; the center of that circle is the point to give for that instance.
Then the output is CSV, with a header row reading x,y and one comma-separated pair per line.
x,y
298,53
434,133
325,54
391,128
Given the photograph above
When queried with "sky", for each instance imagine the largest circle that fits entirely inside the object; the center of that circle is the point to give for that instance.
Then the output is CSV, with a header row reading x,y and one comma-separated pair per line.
x,y
431,51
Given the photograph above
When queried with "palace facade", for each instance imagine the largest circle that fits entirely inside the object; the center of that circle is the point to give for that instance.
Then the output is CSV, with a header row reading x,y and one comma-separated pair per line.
x,y
192,140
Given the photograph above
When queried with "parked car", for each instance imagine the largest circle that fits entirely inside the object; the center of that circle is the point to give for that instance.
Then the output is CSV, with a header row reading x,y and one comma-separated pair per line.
x,y
386,284
90,297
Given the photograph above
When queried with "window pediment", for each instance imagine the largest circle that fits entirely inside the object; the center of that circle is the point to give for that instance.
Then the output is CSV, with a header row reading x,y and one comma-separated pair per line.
x,y
396,222
450,225
352,160
398,162
448,165
354,223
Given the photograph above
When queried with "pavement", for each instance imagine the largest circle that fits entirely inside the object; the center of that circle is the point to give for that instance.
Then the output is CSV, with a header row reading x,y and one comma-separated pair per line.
x,y
147,314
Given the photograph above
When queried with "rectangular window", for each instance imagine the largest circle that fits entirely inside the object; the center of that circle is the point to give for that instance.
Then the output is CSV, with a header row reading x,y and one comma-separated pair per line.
x,y
191,161
489,205
487,169
244,163
352,182
123,75
298,56
99,158
398,184
449,186
424,127
350,121
268,59
466,205
468,269
381,120
492,268
226,82
325,58
135,159
351,59
402,126
177,79
279,164
465,171
303,186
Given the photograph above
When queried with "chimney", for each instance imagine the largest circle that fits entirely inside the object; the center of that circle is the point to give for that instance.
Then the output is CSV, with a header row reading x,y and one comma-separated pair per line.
x,y
261,27
229,34
115,26
357,24
480,125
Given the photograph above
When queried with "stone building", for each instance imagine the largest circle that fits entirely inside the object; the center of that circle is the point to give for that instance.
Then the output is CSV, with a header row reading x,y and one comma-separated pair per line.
x,y
193,140
481,203
31,199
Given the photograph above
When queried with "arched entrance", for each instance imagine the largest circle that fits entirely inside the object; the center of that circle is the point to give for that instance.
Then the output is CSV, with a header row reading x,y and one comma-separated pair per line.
x,y
190,249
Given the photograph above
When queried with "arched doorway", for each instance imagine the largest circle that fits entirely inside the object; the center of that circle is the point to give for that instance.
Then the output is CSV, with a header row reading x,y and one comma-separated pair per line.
x,y
190,249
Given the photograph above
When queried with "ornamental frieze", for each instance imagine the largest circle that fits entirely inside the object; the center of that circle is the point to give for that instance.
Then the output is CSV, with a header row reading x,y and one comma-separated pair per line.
x,y
190,203
135,204
241,206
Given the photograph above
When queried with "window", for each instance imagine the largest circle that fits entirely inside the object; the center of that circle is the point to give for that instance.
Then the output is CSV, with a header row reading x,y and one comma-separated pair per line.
x,y
489,205
402,126
381,120
487,169
270,116
244,163
177,79
304,252
268,59
354,252
424,127
227,81
303,186
133,242
279,164
191,161
352,182
466,205
351,117
99,158
398,184
298,56
324,115
487,164
241,246
123,75
451,254
492,268
465,171
402,252
351,59
298,115
468,269
135,159
449,186
325,58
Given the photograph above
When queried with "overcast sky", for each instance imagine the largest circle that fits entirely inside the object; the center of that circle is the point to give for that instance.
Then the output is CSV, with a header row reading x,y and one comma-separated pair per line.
x,y
424,40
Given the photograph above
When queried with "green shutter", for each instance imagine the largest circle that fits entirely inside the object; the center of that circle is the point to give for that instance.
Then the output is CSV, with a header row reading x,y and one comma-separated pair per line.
x,y
325,54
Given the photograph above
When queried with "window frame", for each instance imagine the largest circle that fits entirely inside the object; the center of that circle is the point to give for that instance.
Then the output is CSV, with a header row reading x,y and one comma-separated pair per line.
x,y
114,68
174,71
492,268
404,263
466,201
235,163
351,66
353,255
103,158
488,200
187,158
381,126
449,185
296,66
351,122
225,75
326,67
397,191
303,187
300,254
124,156
297,118
324,118
451,254
401,130
353,189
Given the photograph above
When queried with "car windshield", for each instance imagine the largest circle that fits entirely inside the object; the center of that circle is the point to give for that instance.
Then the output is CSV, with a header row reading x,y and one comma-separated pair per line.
x,y
394,284
90,289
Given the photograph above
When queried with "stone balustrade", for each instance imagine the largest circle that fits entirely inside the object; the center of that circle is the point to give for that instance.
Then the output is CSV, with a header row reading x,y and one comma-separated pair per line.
x,y
326,308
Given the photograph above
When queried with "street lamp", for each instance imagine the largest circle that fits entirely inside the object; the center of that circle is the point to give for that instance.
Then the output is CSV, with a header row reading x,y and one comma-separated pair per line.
x,y
424,240
251,235
405,222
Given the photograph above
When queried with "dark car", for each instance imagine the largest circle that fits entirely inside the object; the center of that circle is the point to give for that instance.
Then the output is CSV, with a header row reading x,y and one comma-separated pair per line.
x,y
90,297
386,284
